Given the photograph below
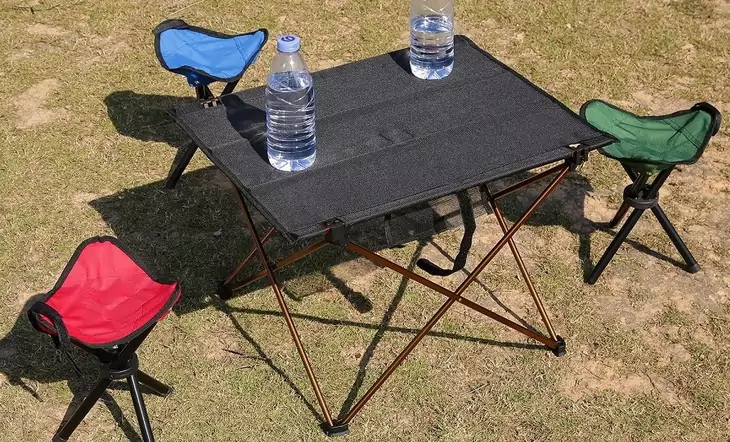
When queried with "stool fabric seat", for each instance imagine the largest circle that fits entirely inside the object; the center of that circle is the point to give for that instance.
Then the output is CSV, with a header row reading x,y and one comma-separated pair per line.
x,y
204,56
107,304
105,298
649,148
653,143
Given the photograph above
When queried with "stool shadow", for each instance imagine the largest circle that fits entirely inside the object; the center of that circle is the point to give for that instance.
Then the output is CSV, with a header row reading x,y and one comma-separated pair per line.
x,y
566,208
29,357
148,117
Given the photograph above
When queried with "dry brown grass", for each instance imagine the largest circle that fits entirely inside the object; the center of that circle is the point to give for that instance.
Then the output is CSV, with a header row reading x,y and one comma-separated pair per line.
x,y
648,358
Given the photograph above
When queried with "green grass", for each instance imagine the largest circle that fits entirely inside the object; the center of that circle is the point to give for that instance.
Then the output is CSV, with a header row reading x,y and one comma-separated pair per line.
x,y
647,356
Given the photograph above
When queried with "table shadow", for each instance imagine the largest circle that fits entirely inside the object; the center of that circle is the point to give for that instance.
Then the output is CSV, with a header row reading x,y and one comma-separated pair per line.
x,y
249,121
195,234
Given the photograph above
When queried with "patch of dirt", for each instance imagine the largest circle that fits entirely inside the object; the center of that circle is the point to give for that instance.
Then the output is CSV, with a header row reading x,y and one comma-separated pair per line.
x,y
588,378
82,200
596,208
660,339
358,273
359,276
22,54
221,348
703,336
660,105
283,347
690,50
633,315
31,105
101,48
40,29
352,355
722,6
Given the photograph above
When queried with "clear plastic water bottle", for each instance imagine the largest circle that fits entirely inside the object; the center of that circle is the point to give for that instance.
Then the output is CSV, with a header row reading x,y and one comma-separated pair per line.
x,y
432,38
290,135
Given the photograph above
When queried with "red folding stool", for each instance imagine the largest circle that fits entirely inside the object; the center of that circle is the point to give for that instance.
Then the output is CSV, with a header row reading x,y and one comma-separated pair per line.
x,y
106,303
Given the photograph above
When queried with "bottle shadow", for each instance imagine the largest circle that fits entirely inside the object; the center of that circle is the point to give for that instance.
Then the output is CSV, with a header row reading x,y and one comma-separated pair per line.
x,y
403,59
249,121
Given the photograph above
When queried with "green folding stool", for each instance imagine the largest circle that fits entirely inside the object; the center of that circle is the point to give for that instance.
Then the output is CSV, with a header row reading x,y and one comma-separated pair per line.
x,y
649,148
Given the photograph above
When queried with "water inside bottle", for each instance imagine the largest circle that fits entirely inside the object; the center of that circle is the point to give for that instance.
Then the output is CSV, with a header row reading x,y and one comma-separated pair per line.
x,y
432,46
291,139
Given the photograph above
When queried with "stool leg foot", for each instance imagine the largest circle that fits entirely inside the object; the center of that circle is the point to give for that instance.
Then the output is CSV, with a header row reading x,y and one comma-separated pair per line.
x,y
70,426
153,384
692,265
140,409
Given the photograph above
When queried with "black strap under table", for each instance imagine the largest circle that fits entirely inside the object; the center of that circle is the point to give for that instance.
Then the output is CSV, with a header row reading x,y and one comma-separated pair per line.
x,y
387,141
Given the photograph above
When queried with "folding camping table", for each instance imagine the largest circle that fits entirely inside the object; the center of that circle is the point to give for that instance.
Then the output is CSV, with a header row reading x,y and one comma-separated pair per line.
x,y
388,141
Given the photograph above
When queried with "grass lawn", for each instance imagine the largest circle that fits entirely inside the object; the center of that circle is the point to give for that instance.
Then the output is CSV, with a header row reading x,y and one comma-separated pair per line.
x,y
86,142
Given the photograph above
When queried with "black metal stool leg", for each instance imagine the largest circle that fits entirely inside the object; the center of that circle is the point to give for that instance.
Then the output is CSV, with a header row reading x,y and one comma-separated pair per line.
x,y
153,384
692,265
177,171
615,244
139,408
70,426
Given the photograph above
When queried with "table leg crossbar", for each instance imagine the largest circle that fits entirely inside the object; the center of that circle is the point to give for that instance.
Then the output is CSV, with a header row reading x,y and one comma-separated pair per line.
x,y
340,427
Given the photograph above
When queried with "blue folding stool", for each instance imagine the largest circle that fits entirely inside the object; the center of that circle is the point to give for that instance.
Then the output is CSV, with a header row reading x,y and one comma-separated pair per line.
x,y
203,57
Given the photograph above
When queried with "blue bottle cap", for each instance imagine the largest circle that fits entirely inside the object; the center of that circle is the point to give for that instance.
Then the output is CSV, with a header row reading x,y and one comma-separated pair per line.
x,y
288,43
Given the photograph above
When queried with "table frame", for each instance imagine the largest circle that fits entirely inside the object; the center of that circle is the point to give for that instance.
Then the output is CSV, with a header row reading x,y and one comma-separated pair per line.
x,y
336,234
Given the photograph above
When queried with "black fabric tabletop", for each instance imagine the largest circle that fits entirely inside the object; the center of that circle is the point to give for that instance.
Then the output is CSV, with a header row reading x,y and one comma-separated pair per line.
x,y
387,140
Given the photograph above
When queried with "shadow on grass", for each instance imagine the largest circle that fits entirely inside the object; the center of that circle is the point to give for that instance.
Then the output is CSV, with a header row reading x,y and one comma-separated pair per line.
x,y
566,208
194,233
28,358
380,330
148,117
